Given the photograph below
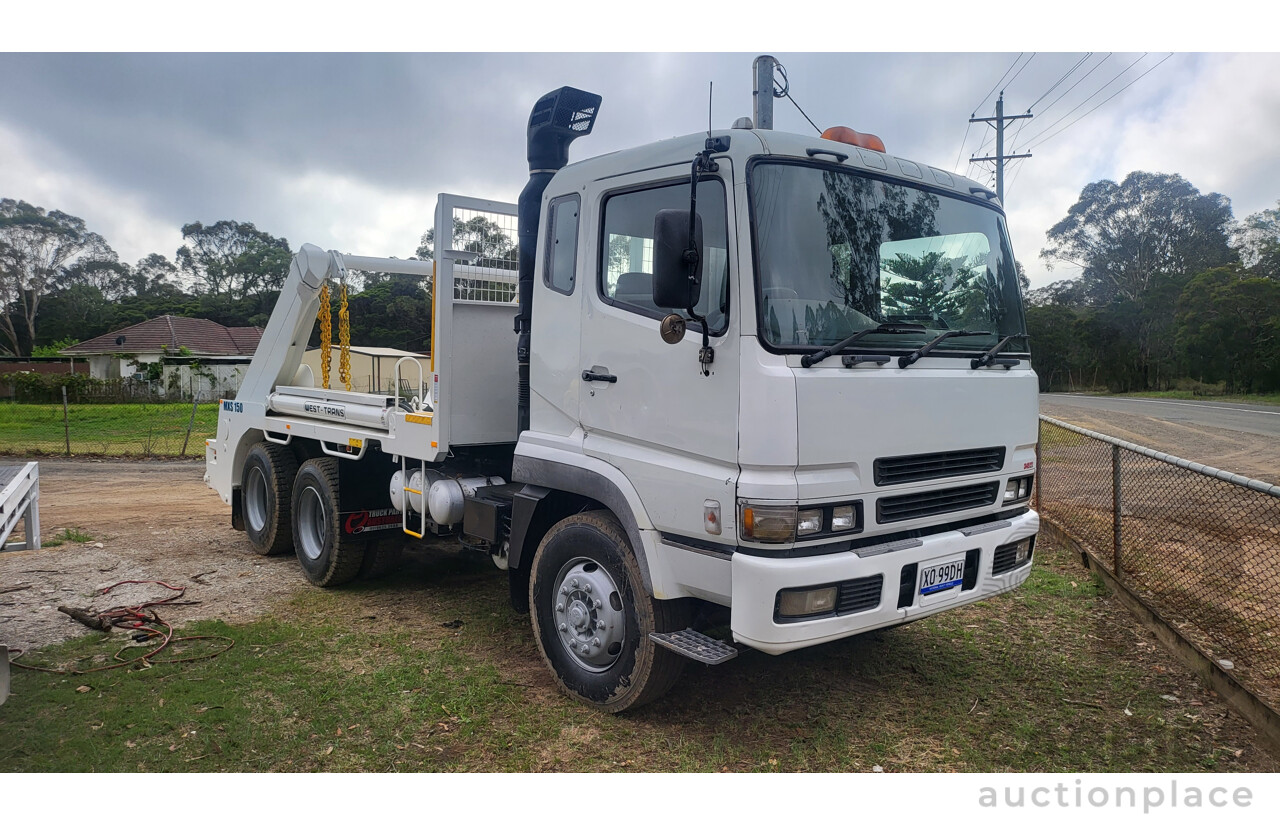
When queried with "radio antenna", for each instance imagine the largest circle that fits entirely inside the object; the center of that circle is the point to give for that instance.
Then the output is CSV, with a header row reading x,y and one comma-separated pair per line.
x,y
711,85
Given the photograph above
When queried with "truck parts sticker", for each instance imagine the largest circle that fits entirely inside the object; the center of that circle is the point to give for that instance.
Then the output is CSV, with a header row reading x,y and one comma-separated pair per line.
x,y
367,521
232,406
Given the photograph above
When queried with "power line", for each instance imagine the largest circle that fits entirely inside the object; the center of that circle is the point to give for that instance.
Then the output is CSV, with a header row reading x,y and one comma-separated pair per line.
x,y
1084,77
1024,65
1097,92
963,141
1018,132
1103,103
1017,171
1059,81
998,82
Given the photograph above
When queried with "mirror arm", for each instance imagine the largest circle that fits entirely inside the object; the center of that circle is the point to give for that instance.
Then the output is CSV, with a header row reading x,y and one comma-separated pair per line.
x,y
702,162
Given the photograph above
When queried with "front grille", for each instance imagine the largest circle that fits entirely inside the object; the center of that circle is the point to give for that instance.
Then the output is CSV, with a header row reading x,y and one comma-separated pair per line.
x,y
905,469
858,595
934,502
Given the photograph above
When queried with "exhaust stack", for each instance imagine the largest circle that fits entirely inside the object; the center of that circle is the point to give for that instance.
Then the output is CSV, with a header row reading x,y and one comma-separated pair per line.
x,y
557,118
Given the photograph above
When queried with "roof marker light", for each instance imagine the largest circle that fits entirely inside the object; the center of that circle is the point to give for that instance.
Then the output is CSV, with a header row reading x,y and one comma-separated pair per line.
x,y
843,134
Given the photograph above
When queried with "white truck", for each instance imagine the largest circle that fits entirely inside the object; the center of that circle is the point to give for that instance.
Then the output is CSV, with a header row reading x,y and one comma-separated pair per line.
x,y
763,380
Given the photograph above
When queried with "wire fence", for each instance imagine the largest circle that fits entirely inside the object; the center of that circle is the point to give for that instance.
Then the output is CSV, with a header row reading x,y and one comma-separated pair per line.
x,y
75,428
1199,547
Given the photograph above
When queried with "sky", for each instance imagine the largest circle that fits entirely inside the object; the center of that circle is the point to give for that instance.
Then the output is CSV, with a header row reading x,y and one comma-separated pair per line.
x,y
349,150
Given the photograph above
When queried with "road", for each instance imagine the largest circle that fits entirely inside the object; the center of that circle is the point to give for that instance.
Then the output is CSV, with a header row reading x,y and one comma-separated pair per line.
x,y
1258,419
1241,438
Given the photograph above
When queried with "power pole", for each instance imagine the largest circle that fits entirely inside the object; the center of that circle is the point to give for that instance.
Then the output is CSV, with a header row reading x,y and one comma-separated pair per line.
x,y
999,157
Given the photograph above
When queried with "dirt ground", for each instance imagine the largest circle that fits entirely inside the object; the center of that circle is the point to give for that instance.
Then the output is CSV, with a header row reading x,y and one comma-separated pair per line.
x,y
149,520
158,521
1255,456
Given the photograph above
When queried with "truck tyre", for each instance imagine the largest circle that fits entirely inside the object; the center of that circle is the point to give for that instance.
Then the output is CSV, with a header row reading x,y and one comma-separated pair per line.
x,y
592,617
266,488
381,556
328,556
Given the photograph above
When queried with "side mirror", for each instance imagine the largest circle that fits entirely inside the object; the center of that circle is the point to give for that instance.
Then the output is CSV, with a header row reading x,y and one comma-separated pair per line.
x,y
673,287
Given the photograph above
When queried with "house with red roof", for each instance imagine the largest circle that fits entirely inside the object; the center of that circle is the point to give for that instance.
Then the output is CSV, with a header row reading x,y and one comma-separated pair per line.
x,y
176,344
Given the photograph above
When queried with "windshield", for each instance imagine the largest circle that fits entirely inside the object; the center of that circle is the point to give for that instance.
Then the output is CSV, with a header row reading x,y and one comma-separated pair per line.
x,y
837,252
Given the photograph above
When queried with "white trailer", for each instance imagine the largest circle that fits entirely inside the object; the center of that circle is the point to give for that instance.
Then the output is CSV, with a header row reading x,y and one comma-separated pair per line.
x,y
765,381
20,502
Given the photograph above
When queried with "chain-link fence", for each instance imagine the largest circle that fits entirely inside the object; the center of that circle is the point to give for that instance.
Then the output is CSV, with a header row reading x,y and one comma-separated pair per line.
x,y
1199,547
86,427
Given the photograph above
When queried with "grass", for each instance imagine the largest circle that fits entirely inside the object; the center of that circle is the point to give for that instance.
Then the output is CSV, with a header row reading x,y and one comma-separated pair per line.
x,y
68,534
105,429
377,677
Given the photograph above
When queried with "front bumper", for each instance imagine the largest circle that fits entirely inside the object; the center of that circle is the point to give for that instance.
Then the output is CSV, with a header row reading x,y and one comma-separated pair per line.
x,y
757,580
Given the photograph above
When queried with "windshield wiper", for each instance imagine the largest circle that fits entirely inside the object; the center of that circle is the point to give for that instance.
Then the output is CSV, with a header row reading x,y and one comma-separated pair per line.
x,y
989,356
907,360
888,329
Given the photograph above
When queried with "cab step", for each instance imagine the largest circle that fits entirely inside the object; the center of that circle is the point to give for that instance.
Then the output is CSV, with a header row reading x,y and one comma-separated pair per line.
x,y
697,646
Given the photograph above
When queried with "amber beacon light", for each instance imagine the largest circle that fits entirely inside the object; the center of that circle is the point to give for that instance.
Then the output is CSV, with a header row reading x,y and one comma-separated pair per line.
x,y
843,134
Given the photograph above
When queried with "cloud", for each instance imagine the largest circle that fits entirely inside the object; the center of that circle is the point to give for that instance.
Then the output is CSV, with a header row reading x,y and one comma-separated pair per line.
x,y
348,150
44,177
1218,130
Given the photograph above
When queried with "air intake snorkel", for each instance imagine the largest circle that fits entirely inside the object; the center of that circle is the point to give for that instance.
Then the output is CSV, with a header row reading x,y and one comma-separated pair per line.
x,y
557,118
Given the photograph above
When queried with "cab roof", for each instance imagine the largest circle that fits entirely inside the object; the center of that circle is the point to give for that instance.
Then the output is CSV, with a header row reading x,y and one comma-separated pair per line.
x,y
745,143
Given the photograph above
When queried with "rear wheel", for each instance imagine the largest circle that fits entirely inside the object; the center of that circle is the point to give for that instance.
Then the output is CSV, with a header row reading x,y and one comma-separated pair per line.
x,y
381,556
328,556
266,485
592,617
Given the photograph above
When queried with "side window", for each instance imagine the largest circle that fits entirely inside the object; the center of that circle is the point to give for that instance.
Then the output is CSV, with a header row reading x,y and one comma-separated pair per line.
x,y
562,252
626,266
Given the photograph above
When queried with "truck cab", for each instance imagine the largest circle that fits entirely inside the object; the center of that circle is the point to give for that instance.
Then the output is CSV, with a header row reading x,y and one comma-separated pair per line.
x,y
815,500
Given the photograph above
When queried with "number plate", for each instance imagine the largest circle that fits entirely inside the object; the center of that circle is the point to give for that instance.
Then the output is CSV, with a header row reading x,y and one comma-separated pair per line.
x,y
942,576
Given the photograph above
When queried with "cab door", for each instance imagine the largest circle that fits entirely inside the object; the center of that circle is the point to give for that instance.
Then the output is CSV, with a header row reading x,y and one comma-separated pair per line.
x,y
645,406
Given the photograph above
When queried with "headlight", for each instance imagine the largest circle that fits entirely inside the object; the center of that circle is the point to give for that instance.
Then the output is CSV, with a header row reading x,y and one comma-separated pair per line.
x,y
768,523
783,523
808,522
1018,489
843,518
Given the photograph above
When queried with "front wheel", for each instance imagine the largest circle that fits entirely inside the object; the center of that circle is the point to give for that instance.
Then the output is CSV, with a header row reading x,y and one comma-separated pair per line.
x,y
328,556
592,617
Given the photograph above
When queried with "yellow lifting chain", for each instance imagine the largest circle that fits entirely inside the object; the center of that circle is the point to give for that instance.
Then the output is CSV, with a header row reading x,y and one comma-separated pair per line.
x,y
326,332
344,336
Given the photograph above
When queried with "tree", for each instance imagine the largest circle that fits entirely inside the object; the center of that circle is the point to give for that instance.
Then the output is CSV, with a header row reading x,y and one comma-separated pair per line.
x,y
100,269
1067,293
1138,243
1126,236
1257,238
391,312
931,286
1229,329
859,215
36,250
1056,345
494,246
232,258
154,276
